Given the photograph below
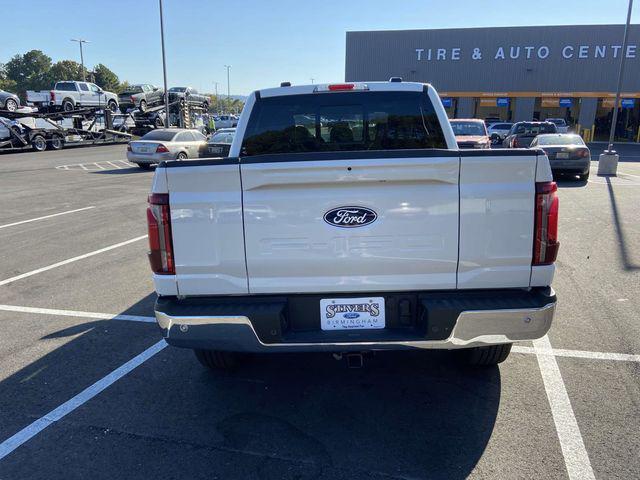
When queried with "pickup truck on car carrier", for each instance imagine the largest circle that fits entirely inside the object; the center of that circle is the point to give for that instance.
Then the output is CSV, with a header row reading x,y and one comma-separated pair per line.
x,y
346,219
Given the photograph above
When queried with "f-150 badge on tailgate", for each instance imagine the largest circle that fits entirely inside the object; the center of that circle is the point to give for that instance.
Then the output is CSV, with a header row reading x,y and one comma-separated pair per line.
x,y
350,217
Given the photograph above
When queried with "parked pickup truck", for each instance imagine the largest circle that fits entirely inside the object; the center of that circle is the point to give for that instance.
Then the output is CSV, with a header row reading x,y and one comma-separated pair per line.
x,y
345,220
68,96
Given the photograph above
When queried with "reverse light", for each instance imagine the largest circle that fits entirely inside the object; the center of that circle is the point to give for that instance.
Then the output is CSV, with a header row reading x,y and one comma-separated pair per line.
x,y
160,241
545,233
162,149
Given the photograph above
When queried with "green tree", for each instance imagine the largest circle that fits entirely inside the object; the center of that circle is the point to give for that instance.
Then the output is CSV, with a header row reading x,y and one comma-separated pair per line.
x,y
105,78
5,82
122,87
29,71
65,70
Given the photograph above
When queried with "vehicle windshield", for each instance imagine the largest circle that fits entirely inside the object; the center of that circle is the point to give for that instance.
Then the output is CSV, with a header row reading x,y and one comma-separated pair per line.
x,y
560,140
468,128
178,89
162,135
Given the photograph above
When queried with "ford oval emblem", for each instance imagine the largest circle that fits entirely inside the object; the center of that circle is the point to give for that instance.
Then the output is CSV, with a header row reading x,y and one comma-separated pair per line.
x,y
351,315
350,217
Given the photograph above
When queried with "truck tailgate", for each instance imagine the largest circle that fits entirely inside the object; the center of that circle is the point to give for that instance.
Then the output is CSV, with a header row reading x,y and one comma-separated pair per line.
x,y
295,244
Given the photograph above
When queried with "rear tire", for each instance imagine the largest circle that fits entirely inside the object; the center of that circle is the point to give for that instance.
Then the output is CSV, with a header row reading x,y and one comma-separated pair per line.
x,y
488,356
68,105
218,360
38,143
56,143
181,156
144,166
143,106
113,106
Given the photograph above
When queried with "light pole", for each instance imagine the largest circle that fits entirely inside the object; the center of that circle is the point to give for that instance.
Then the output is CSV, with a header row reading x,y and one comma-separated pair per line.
x,y
608,160
228,67
80,42
167,123
312,79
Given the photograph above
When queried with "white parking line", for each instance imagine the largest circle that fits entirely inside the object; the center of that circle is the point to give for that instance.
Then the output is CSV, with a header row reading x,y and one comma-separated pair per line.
x,y
70,260
574,452
75,313
561,352
70,405
46,216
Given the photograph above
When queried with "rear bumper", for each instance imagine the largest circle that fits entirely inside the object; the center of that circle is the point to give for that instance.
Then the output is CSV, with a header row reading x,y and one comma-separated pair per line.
x,y
441,320
574,166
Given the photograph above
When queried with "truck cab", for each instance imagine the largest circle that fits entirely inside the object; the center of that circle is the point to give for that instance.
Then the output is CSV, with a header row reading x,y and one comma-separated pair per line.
x,y
347,219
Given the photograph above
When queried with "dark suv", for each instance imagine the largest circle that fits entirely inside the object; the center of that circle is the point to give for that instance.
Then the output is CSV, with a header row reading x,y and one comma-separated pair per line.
x,y
522,133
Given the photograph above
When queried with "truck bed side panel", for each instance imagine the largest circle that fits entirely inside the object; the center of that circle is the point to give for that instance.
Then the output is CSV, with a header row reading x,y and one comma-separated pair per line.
x,y
496,219
206,218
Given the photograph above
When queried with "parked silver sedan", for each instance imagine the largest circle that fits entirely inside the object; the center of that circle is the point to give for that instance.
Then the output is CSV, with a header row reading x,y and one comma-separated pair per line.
x,y
166,144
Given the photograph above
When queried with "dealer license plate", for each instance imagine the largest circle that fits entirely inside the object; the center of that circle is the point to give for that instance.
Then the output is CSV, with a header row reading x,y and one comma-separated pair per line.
x,y
562,155
352,313
215,149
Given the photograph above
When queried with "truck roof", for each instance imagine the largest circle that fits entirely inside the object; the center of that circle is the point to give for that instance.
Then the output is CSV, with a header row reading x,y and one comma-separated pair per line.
x,y
357,86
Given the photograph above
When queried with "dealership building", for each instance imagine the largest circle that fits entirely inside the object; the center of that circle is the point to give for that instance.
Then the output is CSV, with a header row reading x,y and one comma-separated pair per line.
x,y
513,73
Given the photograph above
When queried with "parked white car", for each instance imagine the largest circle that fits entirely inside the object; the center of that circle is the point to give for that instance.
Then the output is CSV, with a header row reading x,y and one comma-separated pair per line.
x,y
165,144
226,121
68,96
323,231
498,131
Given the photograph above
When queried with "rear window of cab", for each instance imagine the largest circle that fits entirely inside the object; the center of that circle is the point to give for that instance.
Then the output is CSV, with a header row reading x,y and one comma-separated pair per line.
x,y
344,121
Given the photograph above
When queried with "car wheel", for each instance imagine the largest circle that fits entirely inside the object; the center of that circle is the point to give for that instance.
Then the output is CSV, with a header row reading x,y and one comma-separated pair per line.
x,y
181,156
113,106
67,105
217,360
143,106
158,122
56,143
39,143
11,105
144,166
487,356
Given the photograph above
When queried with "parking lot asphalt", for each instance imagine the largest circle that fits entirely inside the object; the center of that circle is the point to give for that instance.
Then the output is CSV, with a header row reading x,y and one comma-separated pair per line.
x,y
87,389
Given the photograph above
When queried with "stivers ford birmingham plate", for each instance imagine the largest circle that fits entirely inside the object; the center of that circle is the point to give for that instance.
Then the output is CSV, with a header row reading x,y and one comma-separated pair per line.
x,y
352,313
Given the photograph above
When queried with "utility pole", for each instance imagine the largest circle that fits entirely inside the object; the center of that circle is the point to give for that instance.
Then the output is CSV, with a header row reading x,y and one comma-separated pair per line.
x,y
312,79
167,123
80,42
608,160
228,67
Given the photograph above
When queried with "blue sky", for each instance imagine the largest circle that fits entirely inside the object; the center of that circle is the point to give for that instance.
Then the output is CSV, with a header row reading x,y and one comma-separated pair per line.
x,y
266,42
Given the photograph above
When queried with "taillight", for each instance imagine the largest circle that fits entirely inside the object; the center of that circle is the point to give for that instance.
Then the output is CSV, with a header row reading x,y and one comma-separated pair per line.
x,y
160,242
52,95
162,149
133,100
545,239
128,147
514,143
583,152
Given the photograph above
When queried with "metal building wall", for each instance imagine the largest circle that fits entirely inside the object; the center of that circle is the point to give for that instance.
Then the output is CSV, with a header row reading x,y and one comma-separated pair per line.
x,y
381,55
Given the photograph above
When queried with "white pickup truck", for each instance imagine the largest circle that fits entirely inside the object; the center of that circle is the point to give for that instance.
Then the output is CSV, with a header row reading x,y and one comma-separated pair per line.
x,y
68,96
346,220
